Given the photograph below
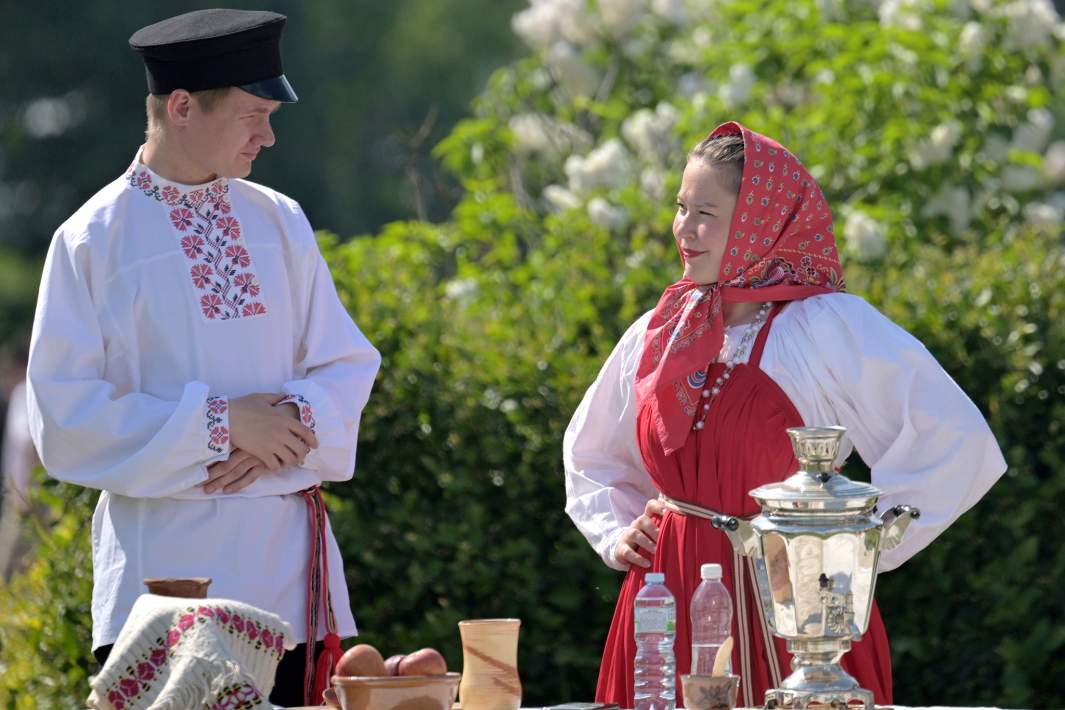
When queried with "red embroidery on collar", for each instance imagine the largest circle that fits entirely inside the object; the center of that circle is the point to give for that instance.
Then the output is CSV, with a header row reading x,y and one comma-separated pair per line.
x,y
210,237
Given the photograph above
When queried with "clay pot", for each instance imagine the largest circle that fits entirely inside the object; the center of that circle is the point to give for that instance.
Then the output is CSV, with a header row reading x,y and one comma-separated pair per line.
x,y
190,587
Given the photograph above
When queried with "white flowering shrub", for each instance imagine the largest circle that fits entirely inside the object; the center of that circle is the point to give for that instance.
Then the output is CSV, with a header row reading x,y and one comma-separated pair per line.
x,y
936,130
936,120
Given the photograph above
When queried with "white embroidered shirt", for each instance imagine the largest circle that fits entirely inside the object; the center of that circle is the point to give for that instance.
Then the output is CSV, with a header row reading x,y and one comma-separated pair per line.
x,y
159,303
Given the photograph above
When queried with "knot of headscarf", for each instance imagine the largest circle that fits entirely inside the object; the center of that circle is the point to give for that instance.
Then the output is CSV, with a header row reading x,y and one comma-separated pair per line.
x,y
781,247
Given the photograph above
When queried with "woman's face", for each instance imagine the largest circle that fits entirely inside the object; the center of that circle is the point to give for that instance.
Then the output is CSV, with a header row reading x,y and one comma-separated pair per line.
x,y
701,226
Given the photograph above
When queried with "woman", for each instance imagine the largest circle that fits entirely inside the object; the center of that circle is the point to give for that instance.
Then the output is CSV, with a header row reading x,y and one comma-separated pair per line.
x,y
693,404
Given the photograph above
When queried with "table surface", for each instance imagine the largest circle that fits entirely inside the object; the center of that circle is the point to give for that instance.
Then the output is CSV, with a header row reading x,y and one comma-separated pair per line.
x,y
879,707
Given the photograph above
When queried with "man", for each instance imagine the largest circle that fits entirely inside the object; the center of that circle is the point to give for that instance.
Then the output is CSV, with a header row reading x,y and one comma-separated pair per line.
x,y
191,359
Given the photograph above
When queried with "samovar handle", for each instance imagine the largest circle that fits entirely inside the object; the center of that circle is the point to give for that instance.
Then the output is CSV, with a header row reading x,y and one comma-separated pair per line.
x,y
726,522
740,533
895,522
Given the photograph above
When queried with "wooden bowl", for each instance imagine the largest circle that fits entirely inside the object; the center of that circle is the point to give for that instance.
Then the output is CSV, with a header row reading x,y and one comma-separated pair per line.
x,y
412,692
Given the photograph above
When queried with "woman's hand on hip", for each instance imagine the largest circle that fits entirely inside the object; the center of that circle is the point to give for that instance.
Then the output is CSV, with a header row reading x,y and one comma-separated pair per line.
x,y
641,535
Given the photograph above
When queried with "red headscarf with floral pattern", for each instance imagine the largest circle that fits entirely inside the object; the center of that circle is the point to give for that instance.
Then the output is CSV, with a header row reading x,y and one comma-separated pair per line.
x,y
781,248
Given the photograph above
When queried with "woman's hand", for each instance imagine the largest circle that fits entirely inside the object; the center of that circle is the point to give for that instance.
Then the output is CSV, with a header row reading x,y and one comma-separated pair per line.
x,y
642,534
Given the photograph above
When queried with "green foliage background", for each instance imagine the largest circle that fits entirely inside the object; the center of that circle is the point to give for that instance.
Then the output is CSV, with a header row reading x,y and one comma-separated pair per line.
x,y
494,322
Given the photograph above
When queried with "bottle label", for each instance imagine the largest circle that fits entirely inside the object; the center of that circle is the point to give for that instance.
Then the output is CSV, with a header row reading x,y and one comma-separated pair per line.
x,y
654,621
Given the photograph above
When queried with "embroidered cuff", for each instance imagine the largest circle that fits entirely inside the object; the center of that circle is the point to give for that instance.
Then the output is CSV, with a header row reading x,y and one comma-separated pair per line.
x,y
216,412
306,411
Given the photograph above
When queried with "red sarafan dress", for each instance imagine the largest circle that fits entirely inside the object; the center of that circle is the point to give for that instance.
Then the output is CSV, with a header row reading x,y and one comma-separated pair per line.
x,y
743,445
640,430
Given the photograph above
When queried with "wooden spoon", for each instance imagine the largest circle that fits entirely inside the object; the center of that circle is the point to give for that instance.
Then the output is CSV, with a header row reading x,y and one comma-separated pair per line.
x,y
722,658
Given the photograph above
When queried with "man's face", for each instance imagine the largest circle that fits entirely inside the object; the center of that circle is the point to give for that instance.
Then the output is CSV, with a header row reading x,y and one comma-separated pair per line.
x,y
226,139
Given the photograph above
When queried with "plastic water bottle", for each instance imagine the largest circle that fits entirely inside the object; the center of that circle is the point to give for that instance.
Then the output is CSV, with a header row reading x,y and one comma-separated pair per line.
x,y
711,614
655,615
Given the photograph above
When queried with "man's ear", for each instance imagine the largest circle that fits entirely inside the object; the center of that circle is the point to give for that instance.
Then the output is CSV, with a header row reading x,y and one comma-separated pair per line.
x,y
178,107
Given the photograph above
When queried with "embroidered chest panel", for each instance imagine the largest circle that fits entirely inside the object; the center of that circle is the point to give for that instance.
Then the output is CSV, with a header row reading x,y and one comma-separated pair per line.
x,y
218,262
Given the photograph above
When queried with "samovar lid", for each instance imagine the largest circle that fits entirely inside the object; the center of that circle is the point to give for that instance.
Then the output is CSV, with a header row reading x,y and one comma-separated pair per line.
x,y
817,486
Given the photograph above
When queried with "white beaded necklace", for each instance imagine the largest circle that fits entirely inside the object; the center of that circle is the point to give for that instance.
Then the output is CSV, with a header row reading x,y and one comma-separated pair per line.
x,y
741,350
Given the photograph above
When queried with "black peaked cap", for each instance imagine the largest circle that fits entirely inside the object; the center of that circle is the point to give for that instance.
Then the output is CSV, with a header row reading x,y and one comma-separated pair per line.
x,y
211,49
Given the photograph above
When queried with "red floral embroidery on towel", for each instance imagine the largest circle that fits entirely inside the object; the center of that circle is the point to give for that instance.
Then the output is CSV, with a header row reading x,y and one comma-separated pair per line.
x,y
236,697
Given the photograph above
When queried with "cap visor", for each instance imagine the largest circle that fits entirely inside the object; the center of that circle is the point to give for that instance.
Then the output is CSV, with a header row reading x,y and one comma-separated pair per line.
x,y
276,89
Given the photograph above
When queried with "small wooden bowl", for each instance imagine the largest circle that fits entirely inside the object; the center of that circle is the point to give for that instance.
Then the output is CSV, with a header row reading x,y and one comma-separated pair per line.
x,y
412,692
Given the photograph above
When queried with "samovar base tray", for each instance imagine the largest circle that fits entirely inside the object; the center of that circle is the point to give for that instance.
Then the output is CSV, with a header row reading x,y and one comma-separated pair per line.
x,y
837,700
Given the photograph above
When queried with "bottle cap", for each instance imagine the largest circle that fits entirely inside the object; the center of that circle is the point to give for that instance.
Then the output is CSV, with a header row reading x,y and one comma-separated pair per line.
x,y
654,578
710,570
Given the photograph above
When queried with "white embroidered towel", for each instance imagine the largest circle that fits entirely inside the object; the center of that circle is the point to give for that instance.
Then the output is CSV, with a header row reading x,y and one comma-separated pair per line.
x,y
176,654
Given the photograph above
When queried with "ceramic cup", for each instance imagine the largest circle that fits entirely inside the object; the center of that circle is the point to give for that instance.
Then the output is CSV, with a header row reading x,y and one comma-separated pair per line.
x,y
490,664
710,692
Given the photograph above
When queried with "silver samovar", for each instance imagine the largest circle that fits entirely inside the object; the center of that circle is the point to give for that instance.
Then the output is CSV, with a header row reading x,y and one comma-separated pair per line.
x,y
815,548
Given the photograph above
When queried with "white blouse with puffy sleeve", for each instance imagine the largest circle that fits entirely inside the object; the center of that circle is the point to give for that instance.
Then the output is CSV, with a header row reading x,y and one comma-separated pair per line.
x,y
841,362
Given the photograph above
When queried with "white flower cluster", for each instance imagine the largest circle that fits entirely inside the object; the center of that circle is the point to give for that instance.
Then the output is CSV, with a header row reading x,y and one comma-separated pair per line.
x,y
619,17
1054,163
651,148
547,22
651,132
1049,215
1021,178
952,202
674,11
906,14
609,165
937,148
47,117
971,43
1030,24
606,215
462,290
581,22
865,237
537,134
1033,134
571,72
736,92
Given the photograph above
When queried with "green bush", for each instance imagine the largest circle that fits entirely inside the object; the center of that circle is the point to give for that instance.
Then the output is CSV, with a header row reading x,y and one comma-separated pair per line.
x,y
46,634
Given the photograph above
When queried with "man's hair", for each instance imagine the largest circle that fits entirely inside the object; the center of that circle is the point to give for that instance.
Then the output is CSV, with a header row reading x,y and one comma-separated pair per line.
x,y
725,152
155,106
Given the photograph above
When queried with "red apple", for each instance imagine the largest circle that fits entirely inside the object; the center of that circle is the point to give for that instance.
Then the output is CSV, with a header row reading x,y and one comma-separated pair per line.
x,y
362,659
392,664
426,661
